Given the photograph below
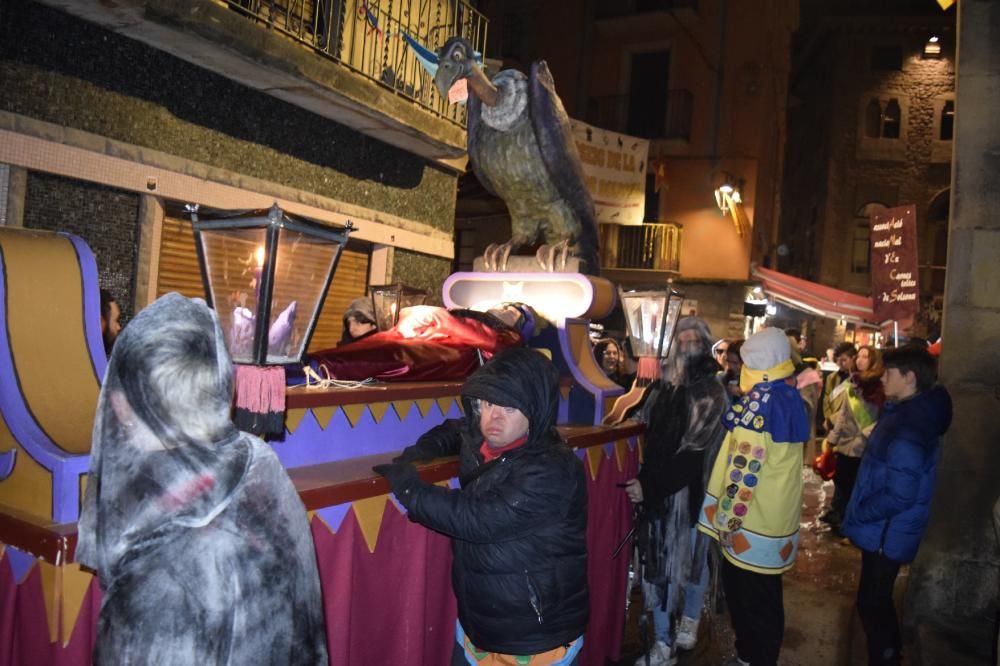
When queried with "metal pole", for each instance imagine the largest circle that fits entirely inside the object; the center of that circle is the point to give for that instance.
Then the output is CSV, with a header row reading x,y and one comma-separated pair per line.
x,y
895,333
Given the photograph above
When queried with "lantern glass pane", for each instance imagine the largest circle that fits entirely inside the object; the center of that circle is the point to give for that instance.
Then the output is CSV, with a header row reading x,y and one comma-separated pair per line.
x,y
301,268
388,300
234,259
649,330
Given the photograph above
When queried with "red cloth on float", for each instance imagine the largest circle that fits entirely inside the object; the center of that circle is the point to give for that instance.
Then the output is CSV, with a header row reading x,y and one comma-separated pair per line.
x,y
428,343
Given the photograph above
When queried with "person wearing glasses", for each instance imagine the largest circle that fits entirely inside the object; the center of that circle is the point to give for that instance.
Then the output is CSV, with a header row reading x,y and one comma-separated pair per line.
x,y
517,524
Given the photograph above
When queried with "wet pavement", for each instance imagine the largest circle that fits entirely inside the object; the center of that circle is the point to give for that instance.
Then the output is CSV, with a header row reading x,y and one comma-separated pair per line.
x,y
821,626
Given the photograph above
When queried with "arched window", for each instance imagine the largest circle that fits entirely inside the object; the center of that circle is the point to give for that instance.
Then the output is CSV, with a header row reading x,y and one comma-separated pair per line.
x,y
890,120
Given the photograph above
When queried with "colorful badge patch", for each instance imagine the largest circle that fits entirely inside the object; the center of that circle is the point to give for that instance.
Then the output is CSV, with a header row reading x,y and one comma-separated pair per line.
x,y
735,476
744,448
726,504
758,453
737,408
740,510
754,466
749,479
731,490
745,494
734,524
758,422
754,406
739,462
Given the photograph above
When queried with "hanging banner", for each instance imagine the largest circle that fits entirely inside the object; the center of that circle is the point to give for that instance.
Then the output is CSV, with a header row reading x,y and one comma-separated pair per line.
x,y
614,166
894,263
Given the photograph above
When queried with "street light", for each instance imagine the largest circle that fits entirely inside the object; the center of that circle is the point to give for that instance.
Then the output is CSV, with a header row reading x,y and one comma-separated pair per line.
x,y
650,320
255,263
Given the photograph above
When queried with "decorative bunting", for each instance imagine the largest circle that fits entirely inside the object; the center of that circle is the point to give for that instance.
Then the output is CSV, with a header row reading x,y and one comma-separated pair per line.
x,y
424,405
333,516
621,451
378,410
444,404
564,391
51,596
75,584
323,415
402,408
293,417
20,563
354,413
594,456
368,513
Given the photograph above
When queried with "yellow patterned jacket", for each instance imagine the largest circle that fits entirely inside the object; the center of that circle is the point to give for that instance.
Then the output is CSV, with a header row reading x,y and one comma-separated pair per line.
x,y
754,495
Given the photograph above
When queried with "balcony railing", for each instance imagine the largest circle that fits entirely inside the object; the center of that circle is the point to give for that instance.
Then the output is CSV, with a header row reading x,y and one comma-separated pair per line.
x,y
380,39
612,112
646,246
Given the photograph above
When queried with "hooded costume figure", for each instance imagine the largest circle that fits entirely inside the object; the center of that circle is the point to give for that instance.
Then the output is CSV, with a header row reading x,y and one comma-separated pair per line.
x,y
518,523
200,542
754,497
683,416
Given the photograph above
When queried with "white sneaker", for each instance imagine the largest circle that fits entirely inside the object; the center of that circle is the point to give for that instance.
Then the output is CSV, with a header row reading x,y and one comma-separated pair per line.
x,y
687,633
660,654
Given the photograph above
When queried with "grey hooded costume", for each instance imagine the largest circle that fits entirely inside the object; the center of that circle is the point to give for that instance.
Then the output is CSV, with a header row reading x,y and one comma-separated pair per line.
x,y
200,541
684,431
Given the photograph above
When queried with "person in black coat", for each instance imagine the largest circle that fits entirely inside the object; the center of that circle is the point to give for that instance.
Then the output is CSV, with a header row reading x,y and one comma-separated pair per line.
x,y
518,523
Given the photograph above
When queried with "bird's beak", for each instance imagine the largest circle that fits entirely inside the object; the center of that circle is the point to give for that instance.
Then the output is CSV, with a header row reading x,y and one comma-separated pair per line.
x,y
448,72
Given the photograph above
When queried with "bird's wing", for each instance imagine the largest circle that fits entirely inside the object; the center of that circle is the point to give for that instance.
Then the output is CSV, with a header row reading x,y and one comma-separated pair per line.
x,y
558,149
473,126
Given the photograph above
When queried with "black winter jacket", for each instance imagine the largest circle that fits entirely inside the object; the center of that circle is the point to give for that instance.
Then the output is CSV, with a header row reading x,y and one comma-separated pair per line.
x,y
518,524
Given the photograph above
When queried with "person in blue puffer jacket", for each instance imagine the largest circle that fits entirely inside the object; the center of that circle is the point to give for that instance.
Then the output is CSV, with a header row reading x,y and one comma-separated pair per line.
x,y
888,510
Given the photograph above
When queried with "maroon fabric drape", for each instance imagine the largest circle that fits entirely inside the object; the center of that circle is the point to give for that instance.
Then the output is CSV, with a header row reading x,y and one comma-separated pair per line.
x,y
393,606
609,520
24,629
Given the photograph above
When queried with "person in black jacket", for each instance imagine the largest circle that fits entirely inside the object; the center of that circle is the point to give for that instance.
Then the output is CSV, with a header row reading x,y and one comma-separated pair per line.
x,y
518,523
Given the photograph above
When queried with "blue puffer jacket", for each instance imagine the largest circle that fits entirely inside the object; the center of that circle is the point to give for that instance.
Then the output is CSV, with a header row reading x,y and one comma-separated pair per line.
x,y
891,501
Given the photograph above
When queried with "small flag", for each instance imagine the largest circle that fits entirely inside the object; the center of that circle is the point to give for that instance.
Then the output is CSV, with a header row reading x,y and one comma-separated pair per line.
x,y
945,4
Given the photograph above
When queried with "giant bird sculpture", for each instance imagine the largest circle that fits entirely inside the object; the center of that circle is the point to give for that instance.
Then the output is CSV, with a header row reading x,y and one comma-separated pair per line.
x,y
522,150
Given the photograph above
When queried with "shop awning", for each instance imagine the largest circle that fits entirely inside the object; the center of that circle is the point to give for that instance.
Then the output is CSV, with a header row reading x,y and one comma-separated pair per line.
x,y
813,297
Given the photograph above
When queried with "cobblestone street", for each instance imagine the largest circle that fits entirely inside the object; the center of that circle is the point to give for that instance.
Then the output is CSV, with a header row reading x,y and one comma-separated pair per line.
x,y
821,628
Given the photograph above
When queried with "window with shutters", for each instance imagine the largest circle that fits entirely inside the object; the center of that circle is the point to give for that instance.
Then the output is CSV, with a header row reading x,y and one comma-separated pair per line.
x,y
178,271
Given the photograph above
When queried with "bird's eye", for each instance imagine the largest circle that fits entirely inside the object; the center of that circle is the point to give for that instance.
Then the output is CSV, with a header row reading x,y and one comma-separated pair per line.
x,y
458,55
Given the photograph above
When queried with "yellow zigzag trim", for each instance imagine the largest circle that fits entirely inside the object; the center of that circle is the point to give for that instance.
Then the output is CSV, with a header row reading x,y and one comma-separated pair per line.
x,y
63,589
293,417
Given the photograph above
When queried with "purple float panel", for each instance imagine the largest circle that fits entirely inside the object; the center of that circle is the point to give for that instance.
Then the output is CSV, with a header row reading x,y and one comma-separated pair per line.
x,y
66,468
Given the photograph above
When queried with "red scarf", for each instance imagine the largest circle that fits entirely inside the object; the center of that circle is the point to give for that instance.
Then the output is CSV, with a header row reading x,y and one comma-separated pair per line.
x,y
490,453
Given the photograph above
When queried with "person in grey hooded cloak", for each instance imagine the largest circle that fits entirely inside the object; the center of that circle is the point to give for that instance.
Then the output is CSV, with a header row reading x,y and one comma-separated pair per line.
x,y
683,416
200,542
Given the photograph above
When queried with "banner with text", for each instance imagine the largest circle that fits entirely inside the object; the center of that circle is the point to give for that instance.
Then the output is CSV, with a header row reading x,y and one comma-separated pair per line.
x,y
614,166
894,263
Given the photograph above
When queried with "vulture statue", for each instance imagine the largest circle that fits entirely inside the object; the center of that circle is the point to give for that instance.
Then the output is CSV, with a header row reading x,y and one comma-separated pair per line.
x,y
522,150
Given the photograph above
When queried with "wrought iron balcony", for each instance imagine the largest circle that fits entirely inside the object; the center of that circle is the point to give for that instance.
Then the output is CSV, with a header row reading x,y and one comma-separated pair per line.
x,y
654,247
613,112
385,40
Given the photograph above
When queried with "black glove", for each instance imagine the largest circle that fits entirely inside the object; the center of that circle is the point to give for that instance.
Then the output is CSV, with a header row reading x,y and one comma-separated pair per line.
x,y
402,477
410,455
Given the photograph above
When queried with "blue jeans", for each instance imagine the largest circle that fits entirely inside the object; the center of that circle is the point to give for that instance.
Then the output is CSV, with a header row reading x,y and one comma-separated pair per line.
x,y
694,600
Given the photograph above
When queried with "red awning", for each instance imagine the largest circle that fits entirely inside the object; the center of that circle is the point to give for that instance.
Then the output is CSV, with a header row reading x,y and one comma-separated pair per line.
x,y
814,297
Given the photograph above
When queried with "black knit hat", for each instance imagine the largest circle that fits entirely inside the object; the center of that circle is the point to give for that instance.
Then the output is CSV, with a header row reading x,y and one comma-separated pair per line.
x,y
521,378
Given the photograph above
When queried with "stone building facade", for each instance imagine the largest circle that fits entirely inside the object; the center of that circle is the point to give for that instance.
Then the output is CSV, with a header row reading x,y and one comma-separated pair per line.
x,y
108,126
870,126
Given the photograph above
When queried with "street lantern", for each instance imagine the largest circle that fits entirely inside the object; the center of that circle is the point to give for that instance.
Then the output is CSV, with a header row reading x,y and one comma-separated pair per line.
x,y
389,299
650,320
266,274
